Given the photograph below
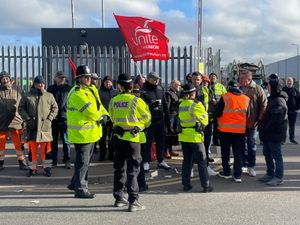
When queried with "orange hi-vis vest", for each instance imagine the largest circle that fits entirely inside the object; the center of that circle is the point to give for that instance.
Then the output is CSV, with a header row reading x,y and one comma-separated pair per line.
x,y
233,119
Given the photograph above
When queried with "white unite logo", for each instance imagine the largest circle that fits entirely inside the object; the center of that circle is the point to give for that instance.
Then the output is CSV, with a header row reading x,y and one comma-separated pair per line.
x,y
144,37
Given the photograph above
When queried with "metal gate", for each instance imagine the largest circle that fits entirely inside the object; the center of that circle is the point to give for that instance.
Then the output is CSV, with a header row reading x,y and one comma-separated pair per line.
x,y
24,63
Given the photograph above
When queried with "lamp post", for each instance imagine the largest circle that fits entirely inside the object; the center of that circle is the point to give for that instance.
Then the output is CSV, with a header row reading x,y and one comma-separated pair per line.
x,y
297,45
102,12
199,32
73,13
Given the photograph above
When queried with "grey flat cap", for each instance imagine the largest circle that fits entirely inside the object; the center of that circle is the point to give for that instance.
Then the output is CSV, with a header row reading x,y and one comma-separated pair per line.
x,y
153,75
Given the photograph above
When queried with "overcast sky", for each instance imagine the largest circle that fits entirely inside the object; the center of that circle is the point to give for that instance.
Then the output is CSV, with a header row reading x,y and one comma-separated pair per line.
x,y
244,30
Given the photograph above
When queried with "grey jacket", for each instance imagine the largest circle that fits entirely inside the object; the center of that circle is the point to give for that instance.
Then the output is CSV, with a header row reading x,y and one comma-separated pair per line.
x,y
38,109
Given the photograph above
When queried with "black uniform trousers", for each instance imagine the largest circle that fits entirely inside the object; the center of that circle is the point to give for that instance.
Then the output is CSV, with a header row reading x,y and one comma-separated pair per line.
x,y
107,130
127,167
194,153
141,177
155,131
237,142
84,153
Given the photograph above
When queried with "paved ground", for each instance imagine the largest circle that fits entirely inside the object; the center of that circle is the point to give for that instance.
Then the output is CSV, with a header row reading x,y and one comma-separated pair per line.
x,y
41,200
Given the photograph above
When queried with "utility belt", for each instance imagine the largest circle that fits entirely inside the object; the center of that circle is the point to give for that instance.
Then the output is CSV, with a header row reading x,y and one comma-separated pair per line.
x,y
120,131
198,128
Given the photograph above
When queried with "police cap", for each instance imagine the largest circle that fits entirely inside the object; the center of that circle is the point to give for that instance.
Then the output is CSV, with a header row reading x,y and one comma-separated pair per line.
x,y
124,78
188,88
83,70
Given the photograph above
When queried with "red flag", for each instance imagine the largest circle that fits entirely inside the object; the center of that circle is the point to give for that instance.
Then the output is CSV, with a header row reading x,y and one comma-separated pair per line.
x,y
145,37
73,66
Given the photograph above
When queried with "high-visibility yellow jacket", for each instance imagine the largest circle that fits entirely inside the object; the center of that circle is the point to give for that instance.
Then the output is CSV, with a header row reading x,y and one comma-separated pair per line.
x,y
234,117
128,111
84,113
218,90
190,113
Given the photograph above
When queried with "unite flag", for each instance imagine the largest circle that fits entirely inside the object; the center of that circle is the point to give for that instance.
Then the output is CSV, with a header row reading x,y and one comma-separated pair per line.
x,y
145,37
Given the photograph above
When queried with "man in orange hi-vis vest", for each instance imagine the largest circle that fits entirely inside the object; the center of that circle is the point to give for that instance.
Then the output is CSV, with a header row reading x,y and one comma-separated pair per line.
x,y
231,112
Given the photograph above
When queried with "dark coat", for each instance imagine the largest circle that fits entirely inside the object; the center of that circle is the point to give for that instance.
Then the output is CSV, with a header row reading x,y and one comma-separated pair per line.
x,y
172,100
106,95
293,94
60,94
155,98
273,126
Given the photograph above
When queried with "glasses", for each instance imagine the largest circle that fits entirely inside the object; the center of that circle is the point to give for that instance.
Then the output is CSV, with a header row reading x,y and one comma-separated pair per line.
x,y
61,78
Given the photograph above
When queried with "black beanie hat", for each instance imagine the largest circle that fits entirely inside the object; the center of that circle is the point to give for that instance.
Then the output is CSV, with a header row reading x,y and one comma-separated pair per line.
x,y
38,80
274,84
106,78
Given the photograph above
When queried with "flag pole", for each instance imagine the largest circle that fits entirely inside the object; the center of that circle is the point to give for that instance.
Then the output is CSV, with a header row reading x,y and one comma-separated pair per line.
x,y
138,69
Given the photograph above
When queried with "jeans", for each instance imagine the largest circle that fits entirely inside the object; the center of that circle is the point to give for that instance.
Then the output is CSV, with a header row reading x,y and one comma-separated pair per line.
x,y
155,131
272,152
194,153
208,132
60,128
249,158
237,142
292,117
127,167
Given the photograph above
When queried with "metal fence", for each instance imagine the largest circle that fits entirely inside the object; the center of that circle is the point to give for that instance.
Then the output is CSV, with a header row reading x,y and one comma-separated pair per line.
x,y
24,63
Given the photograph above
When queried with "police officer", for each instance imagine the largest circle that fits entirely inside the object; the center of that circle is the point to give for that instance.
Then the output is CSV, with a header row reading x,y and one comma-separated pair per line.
x,y
130,115
193,119
84,117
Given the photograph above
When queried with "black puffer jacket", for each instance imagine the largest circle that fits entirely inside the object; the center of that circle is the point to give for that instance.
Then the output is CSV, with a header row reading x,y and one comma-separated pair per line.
x,y
273,126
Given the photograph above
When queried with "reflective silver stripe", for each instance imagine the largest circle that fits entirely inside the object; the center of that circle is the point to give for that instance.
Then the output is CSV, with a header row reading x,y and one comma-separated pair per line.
x,y
184,108
143,116
121,120
227,109
231,125
133,106
71,109
85,106
80,127
204,116
46,163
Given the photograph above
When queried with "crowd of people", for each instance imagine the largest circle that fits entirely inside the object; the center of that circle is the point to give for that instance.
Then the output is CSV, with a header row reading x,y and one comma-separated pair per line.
x,y
127,121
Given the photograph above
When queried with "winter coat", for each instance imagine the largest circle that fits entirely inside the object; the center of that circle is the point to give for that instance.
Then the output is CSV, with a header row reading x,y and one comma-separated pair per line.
x,y
9,100
106,95
172,100
258,103
38,109
293,94
273,126
60,93
155,98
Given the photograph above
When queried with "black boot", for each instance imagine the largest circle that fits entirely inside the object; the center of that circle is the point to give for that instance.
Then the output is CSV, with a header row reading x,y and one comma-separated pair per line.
x,y
1,165
47,172
23,165
32,173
